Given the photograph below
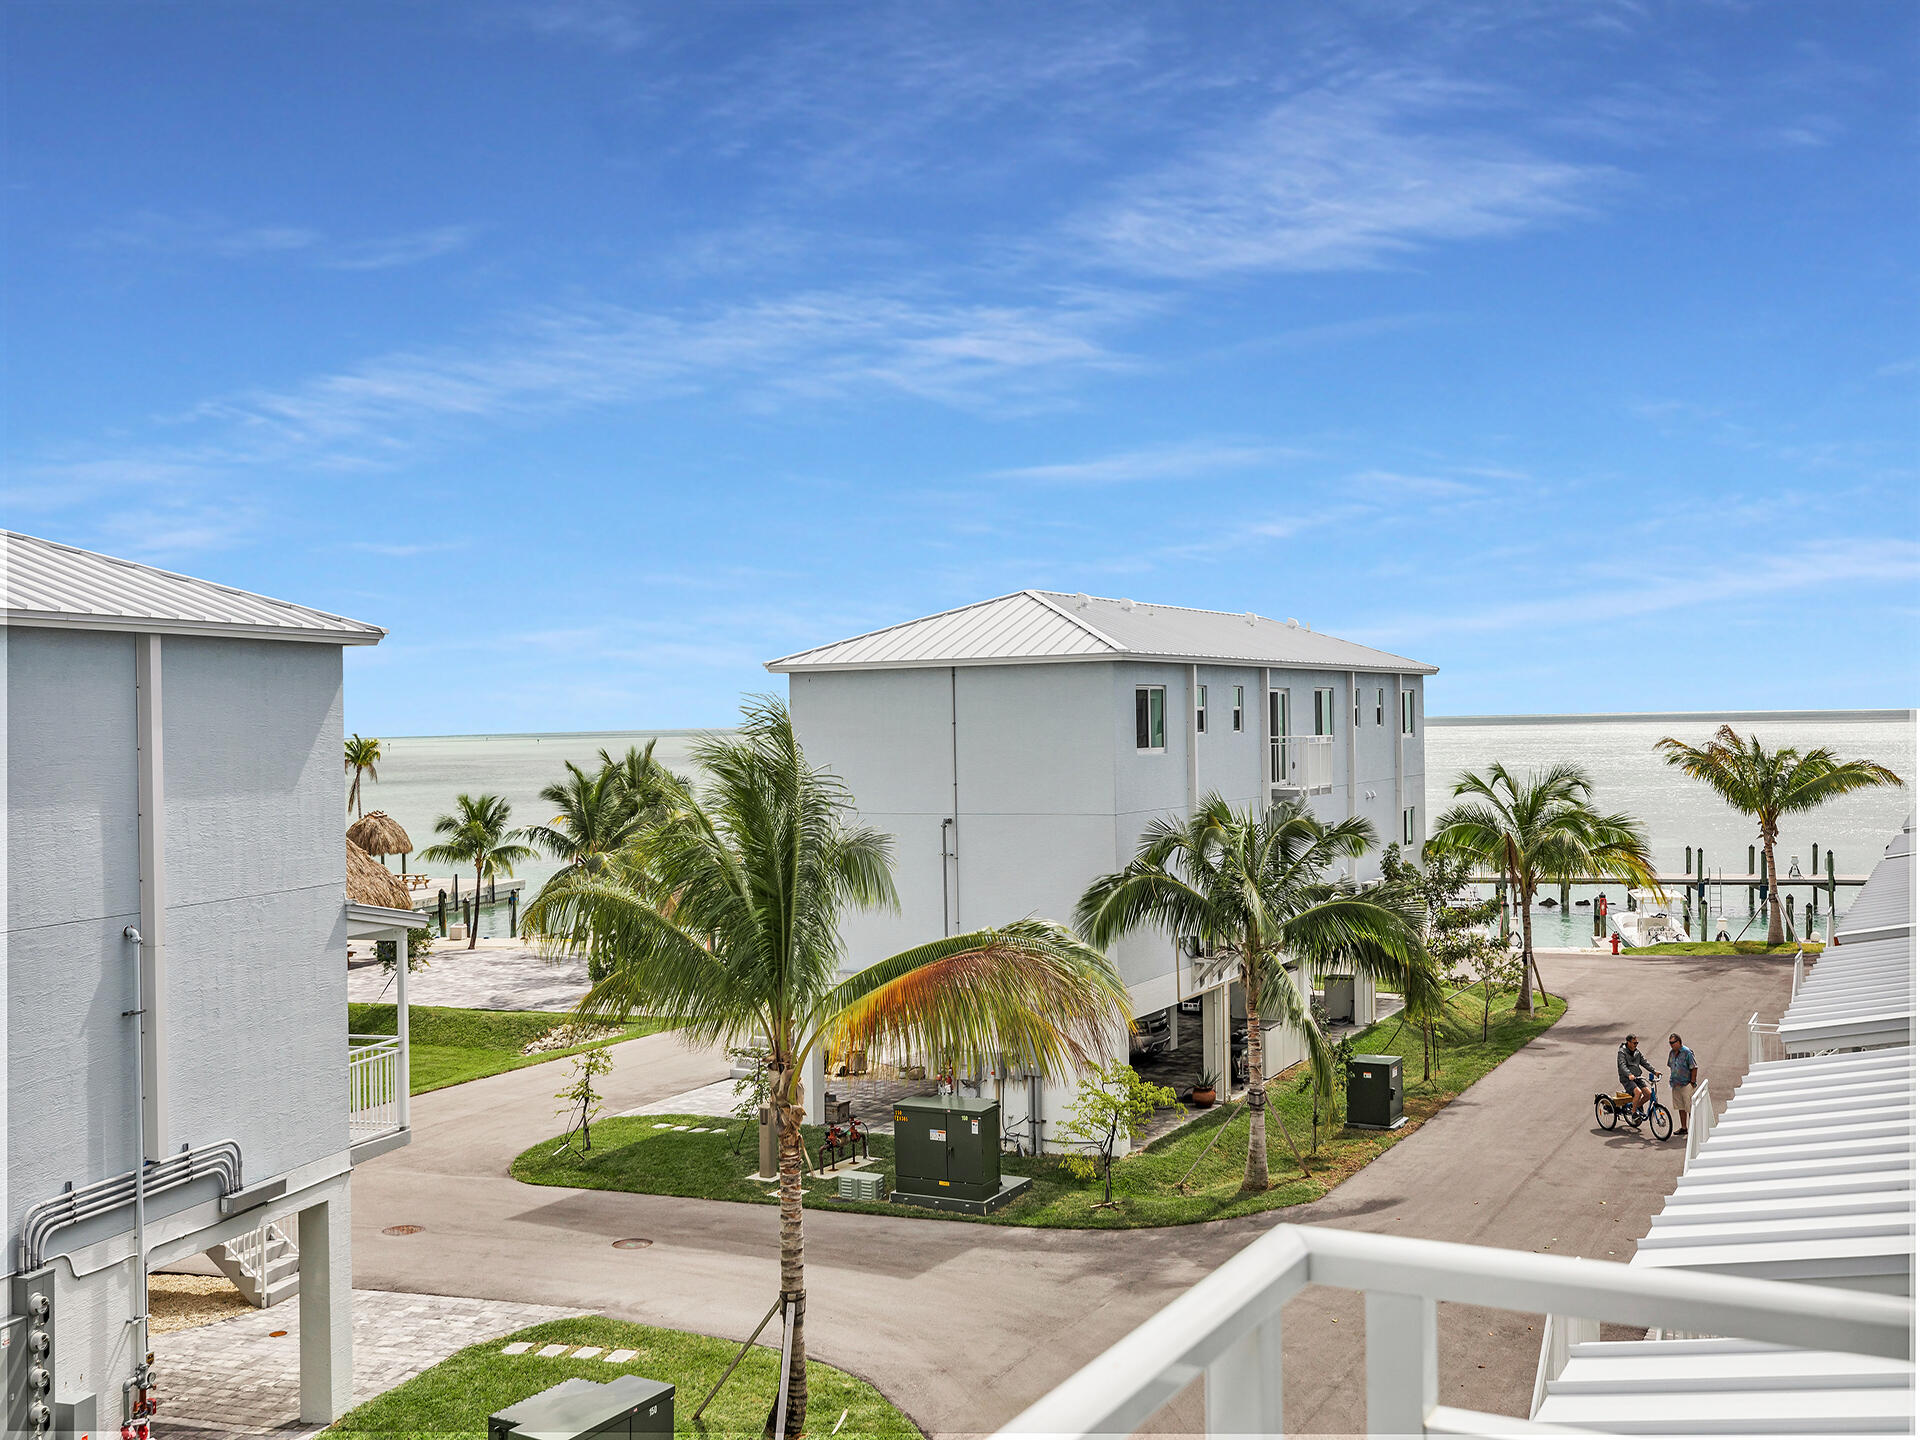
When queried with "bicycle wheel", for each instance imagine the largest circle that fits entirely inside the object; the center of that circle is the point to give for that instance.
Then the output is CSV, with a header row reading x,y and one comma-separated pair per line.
x,y
1660,1122
1604,1114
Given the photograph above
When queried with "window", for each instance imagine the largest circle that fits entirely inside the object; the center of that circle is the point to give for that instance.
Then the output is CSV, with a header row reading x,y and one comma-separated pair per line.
x,y
1380,707
1406,712
1323,711
1240,708
1279,727
1356,702
1200,712
1150,717
1407,826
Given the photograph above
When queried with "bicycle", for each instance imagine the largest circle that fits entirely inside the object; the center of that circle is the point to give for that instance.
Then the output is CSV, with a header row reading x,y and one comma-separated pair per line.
x,y
1610,1110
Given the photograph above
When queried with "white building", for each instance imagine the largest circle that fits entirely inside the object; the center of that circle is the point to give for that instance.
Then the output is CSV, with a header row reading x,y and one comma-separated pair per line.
x,y
1016,748
177,1064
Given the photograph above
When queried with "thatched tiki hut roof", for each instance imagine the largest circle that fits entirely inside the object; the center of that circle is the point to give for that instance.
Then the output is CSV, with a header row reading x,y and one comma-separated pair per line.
x,y
371,883
378,833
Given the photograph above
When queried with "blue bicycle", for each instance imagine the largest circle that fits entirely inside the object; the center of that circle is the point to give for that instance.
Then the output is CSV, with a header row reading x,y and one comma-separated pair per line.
x,y
1610,1110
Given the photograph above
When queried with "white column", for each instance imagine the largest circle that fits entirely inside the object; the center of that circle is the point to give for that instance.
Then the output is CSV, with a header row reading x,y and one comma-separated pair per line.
x,y
813,1075
1216,1055
1243,1386
1353,751
1403,1363
153,891
1399,766
403,1082
326,1311
1193,738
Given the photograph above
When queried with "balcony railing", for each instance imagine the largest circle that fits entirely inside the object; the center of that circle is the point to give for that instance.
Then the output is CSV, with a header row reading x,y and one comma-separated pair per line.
x,y
1225,1331
374,1086
1302,763
1763,1042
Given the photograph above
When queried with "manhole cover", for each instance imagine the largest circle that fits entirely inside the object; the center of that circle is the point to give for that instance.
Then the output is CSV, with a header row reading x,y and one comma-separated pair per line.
x,y
402,1230
631,1244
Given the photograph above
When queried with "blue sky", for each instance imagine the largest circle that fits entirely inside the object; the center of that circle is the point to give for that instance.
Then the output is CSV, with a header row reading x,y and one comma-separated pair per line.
x,y
603,351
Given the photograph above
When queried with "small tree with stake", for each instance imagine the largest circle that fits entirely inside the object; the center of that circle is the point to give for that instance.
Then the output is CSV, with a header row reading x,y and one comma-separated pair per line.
x,y
583,1101
1113,1103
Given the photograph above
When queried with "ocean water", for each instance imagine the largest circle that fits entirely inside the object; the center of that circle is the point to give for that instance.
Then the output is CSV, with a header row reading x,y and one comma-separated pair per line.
x,y
1630,776
421,775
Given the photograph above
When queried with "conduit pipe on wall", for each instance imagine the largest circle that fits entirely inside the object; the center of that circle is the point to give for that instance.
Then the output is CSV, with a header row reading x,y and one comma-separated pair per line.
x,y
220,1160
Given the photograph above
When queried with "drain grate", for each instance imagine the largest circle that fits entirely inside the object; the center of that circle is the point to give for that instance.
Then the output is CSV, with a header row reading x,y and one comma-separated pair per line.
x,y
631,1244
403,1230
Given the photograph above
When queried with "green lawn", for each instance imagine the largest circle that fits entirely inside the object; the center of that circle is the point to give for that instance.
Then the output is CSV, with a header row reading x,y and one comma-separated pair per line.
x,y
448,1046
1727,947
456,1396
636,1154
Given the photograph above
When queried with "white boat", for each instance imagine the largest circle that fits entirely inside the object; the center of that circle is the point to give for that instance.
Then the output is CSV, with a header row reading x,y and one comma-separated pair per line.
x,y
1646,922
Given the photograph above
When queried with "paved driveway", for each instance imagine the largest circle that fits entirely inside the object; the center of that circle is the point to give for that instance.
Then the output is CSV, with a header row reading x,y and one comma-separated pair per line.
x,y
963,1325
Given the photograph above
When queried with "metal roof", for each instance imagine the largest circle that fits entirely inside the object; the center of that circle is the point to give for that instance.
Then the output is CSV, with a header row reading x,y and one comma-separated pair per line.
x,y
1884,906
47,584
1856,997
1039,626
1808,1175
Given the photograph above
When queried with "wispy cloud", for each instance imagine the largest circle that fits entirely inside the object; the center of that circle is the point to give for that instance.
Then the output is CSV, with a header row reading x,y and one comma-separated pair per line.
x,y
1336,178
404,550
1168,462
150,232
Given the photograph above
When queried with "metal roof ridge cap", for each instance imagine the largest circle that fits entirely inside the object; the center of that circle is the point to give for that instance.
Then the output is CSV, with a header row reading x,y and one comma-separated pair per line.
x,y
1043,598
896,625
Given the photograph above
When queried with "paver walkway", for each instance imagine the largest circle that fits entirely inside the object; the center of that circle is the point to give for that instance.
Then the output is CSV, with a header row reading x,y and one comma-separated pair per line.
x,y
240,1377
496,975
1515,1162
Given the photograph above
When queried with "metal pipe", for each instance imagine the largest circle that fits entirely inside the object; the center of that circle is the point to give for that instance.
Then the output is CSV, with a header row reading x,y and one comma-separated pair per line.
x,y
220,1160
139,1151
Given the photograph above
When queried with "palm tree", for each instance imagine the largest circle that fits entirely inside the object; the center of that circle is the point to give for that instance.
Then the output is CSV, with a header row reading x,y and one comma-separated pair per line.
x,y
645,787
593,819
1536,831
362,756
1251,888
745,951
478,836
1766,784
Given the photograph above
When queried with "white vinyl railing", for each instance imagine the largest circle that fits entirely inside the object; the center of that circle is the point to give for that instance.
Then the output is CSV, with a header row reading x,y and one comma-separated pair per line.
x,y
1303,762
373,1085
1799,972
1763,1042
1699,1120
1225,1331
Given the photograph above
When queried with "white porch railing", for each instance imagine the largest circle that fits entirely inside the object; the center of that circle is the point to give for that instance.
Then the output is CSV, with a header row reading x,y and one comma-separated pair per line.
x,y
373,1086
1699,1121
1303,763
1799,972
1763,1042
1225,1331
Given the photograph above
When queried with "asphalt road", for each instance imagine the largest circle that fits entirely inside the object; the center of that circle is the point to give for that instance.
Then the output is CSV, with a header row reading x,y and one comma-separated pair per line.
x,y
964,1325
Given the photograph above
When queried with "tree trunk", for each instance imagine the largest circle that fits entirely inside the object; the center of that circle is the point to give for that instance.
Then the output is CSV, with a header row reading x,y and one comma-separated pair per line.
x,y
1525,1004
473,930
1486,1006
1776,921
1257,1176
793,1279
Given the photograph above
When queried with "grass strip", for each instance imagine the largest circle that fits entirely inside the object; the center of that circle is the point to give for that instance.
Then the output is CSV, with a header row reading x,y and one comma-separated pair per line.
x,y
456,1396
638,1154
447,1046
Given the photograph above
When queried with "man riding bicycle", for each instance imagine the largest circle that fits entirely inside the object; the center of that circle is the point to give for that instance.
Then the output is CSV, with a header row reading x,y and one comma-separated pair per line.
x,y
1631,1064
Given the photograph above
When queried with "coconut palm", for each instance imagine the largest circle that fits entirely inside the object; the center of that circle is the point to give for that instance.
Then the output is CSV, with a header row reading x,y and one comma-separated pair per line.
x,y
592,822
1535,831
645,787
478,836
1767,784
1251,887
361,756
735,937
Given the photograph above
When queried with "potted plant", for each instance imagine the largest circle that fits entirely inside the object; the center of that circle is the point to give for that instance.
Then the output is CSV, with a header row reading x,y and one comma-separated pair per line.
x,y
1205,1088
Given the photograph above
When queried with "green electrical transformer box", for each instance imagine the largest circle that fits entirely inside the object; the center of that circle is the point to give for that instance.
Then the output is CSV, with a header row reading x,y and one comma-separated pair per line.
x,y
1375,1097
947,1147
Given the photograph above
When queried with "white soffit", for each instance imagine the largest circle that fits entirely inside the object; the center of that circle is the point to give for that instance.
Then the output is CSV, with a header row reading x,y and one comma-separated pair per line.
x,y
49,585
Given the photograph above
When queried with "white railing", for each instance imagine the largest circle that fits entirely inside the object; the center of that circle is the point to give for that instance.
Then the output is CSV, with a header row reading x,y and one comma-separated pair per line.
x,y
1303,762
1799,972
1225,1331
1763,1042
1699,1120
1557,1338
373,1085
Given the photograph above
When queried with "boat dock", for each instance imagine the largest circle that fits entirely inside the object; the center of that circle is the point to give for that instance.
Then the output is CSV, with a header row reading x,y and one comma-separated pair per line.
x,y
1690,882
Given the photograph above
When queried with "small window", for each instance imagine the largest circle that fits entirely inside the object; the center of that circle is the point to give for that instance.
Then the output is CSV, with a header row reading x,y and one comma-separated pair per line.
x,y
1239,708
1380,707
1323,711
1356,707
1406,712
1408,828
1200,712
1150,717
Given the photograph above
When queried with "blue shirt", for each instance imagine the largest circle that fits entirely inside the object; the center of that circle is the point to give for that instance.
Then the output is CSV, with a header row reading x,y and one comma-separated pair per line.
x,y
1680,1066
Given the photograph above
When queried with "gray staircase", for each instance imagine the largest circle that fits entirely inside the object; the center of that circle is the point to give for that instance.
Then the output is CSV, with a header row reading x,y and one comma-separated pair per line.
x,y
264,1265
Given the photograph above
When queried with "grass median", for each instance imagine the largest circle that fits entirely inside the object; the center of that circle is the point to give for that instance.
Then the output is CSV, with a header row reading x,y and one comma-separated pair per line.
x,y
447,1046
645,1154
456,1396
1727,947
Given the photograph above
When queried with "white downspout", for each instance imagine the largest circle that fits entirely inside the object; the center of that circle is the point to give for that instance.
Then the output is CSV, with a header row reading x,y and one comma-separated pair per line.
x,y
403,1086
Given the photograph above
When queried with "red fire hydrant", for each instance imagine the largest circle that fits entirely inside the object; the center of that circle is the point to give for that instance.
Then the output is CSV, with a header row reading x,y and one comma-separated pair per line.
x,y
1616,942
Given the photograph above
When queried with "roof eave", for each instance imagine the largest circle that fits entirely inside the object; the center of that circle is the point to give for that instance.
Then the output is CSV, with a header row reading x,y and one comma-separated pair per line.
x,y
793,664
133,624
